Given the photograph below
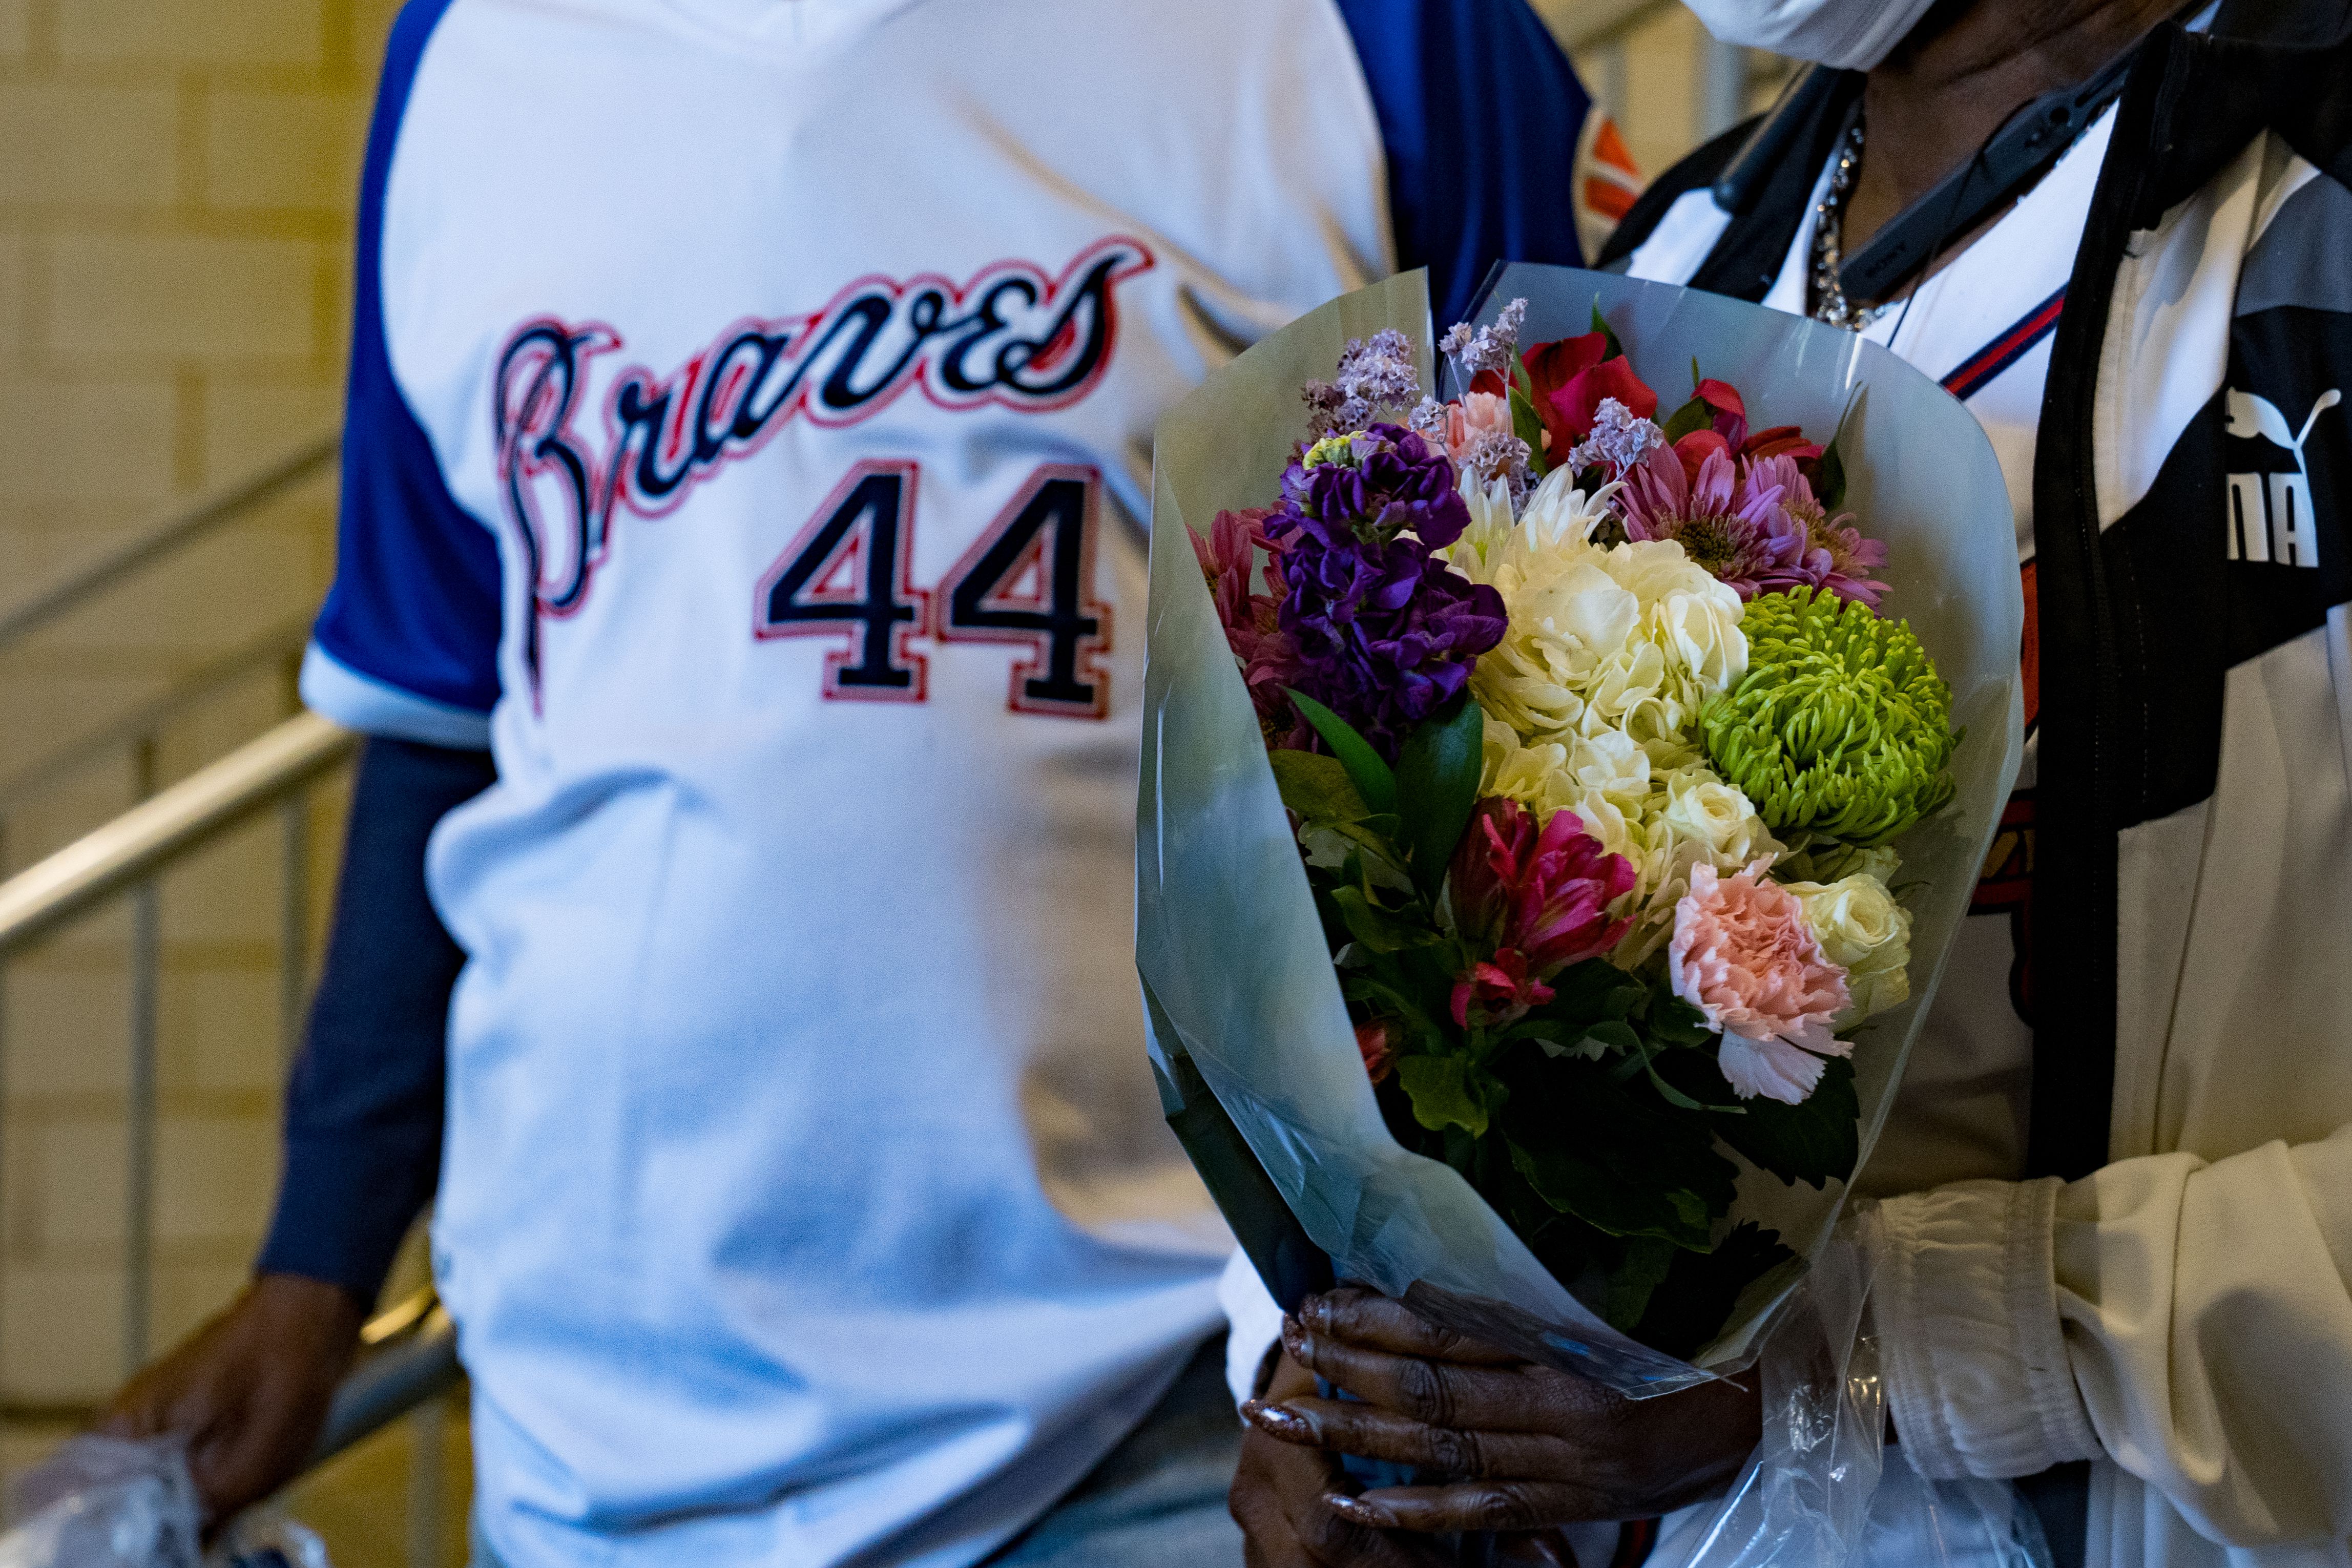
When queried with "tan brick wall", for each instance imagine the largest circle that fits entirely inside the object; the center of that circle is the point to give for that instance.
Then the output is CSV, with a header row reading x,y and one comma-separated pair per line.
x,y
175,199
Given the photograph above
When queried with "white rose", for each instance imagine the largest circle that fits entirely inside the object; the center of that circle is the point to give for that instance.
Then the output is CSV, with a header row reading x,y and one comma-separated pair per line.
x,y
1703,629
1702,809
1863,930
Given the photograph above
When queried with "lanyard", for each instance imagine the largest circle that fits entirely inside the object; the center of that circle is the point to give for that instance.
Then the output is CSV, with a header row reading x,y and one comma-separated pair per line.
x,y
2019,152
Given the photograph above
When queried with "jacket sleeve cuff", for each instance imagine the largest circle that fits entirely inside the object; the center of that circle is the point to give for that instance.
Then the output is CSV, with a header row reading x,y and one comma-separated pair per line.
x,y
1967,1302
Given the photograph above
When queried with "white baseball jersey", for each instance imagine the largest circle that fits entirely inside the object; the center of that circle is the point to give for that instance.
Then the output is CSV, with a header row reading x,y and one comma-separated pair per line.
x,y
750,430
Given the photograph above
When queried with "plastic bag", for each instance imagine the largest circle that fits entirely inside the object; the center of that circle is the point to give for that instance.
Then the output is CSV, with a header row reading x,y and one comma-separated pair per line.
x,y
1822,1488
103,1502
1807,1494
107,1502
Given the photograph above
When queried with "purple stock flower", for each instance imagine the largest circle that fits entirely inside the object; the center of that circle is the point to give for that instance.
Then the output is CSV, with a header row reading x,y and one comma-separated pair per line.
x,y
1384,632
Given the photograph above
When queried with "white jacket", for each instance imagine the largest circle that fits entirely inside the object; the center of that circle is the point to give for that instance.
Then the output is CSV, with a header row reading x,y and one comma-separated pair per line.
x,y
2170,1300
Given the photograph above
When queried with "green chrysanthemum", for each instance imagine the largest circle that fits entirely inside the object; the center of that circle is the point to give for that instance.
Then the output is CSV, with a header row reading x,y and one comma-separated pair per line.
x,y
1840,728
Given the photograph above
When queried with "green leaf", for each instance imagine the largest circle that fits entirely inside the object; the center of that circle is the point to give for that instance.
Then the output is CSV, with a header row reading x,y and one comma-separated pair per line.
x,y
1603,1200
1633,1282
1528,425
1701,1289
1376,927
1689,419
1590,991
1696,377
1676,1097
1374,780
1811,1143
1445,1092
1437,777
1831,475
1317,787
1616,1036
1674,1021
1395,1003
1615,350
1829,487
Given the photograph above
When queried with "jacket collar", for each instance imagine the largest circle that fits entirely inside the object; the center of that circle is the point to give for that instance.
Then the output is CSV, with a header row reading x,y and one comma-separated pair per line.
x,y
2264,65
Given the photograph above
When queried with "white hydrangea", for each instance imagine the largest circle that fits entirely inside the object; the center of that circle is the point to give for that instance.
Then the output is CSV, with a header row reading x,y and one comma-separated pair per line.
x,y
1665,821
1633,638
1593,698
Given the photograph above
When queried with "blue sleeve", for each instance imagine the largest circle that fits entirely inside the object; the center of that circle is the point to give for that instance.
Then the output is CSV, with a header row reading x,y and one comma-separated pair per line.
x,y
1481,113
363,1134
407,642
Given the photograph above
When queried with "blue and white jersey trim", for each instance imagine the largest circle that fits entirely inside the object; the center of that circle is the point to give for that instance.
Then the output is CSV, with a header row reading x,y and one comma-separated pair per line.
x,y
371,706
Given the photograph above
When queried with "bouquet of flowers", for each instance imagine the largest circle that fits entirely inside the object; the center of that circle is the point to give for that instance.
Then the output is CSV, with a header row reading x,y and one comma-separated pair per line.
x,y
1596,735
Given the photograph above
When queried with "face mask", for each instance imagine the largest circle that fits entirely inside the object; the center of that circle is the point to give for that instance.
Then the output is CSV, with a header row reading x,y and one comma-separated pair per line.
x,y
1850,34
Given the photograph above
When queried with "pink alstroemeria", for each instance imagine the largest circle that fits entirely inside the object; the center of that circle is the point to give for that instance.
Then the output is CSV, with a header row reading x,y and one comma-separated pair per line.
x,y
1228,558
1376,1041
1743,955
1500,989
1474,416
1542,898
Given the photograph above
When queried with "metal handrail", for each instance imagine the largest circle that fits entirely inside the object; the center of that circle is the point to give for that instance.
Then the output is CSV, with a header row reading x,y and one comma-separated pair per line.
x,y
278,643
139,842
223,506
415,1359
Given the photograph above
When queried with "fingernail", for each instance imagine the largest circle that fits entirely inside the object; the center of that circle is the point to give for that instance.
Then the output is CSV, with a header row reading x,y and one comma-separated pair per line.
x,y
1279,1421
1317,1311
1295,1339
1356,1511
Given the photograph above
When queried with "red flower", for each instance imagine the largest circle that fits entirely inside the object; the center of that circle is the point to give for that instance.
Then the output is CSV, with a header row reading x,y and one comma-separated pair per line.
x,y
1568,414
1694,449
1782,441
1376,1041
1729,410
1551,366
1501,990
1544,894
1567,381
1269,661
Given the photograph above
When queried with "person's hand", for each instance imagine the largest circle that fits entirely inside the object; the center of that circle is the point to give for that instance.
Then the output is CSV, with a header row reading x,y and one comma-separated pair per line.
x,y
1281,1498
1278,1495
1535,1447
248,1390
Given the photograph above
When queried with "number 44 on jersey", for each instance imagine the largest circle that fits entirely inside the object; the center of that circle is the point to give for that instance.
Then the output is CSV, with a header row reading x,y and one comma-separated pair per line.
x,y
1028,579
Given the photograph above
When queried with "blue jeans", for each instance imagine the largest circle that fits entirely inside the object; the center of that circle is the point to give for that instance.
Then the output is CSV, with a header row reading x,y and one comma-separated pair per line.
x,y
1157,1500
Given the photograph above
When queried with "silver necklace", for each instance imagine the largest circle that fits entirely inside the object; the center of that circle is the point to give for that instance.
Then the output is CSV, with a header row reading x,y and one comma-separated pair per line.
x,y
1829,301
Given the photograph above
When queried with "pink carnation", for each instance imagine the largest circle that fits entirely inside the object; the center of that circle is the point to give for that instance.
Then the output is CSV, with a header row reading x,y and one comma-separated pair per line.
x,y
1743,955
1472,416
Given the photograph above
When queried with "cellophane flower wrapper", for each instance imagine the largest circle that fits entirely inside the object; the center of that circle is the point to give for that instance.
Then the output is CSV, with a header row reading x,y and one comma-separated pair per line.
x,y
1257,1060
